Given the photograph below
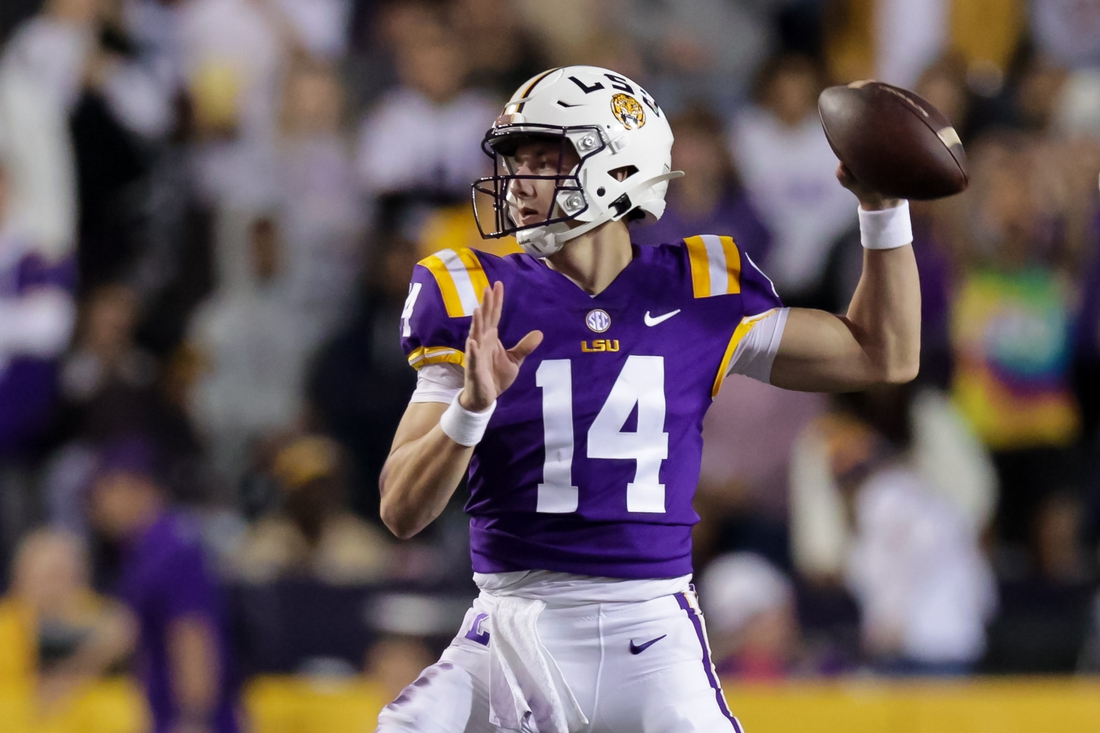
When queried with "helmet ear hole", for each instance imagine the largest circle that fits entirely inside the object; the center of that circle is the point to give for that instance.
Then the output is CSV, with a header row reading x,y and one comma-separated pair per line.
x,y
621,174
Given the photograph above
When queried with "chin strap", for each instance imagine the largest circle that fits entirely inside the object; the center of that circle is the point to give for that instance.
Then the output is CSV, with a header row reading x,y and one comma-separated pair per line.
x,y
543,242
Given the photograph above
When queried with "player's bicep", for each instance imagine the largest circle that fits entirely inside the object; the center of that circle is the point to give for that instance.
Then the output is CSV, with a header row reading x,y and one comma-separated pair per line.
x,y
819,352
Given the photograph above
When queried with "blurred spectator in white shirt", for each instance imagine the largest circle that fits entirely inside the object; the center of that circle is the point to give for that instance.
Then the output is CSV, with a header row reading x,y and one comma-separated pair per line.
x,y
924,587
35,139
908,36
322,214
789,171
62,50
424,137
254,343
944,451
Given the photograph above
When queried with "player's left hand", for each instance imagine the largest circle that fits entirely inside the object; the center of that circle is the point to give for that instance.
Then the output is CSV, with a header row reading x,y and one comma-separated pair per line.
x,y
491,368
869,199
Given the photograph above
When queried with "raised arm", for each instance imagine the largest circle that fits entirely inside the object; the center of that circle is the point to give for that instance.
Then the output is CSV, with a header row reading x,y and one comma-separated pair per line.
x,y
877,341
435,441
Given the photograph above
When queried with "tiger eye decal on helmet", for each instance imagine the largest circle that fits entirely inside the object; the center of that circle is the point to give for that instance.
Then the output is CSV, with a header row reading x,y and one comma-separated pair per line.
x,y
628,111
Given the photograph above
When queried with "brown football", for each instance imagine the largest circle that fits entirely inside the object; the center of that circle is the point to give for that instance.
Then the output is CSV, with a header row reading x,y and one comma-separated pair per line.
x,y
893,141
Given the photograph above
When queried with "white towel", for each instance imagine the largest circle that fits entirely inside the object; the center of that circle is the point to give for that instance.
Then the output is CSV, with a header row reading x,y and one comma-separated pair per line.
x,y
527,691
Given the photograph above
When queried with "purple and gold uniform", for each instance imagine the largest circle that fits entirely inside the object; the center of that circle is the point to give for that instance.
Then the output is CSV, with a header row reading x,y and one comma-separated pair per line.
x,y
590,462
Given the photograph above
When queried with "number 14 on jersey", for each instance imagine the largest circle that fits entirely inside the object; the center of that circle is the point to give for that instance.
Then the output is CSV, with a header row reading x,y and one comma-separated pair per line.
x,y
641,383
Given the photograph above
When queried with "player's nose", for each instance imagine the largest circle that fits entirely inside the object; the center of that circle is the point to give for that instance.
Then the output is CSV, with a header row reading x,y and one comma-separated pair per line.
x,y
522,187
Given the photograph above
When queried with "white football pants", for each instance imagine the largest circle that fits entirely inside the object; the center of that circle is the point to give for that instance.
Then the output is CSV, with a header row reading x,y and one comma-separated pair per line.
x,y
633,668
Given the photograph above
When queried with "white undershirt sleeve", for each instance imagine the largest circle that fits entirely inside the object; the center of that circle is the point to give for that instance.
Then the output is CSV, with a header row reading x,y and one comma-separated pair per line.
x,y
438,383
756,352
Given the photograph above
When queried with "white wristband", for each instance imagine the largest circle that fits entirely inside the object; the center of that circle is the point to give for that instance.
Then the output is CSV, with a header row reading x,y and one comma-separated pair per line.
x,y
887,228
463,426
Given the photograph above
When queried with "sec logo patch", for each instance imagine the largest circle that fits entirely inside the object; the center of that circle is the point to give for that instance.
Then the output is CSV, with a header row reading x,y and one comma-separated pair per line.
x,y
598,320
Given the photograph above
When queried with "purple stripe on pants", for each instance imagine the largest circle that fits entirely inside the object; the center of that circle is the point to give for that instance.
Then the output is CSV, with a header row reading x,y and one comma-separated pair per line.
x,y
681,598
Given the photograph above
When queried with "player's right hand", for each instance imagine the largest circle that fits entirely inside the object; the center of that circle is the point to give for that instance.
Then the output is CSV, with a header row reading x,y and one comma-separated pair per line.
x,y
869,199
491,368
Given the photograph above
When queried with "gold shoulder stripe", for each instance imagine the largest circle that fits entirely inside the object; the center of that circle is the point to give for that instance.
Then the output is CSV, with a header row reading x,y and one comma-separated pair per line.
x,y
697,254
739,335
732,265
436,355
715,265
461,279
478,279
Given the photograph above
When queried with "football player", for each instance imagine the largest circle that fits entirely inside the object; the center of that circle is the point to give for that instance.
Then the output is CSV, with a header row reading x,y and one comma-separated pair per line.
x,y
570,384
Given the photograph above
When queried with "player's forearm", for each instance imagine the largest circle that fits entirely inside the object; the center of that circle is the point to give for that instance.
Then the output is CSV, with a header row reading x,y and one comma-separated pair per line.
x,y
419,479
885,314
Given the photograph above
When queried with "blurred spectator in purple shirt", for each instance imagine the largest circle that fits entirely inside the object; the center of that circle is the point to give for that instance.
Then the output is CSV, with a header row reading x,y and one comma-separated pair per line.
x,y
182,653
709,199
36,320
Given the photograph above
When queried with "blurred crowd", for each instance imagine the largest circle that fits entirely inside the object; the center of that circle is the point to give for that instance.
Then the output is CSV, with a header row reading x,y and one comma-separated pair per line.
x,y
209,214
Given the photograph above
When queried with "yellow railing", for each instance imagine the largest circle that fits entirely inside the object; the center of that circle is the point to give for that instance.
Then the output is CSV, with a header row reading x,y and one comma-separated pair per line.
x,y
293,705
977,706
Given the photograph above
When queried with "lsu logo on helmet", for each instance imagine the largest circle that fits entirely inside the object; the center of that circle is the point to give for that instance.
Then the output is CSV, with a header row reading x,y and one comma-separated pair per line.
x,y
628,111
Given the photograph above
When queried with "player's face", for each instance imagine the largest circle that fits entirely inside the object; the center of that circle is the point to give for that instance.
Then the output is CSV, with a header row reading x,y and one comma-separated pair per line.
x,y
531,200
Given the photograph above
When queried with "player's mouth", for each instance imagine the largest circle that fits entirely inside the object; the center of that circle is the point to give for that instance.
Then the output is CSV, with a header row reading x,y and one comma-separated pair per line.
x,y
529,215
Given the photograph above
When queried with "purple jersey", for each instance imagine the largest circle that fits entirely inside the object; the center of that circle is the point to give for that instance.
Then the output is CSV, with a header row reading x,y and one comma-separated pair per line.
x,y
164,578
590,462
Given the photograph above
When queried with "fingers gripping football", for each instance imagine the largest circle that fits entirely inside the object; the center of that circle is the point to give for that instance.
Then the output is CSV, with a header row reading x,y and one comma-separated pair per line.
x,y
490,367
869,198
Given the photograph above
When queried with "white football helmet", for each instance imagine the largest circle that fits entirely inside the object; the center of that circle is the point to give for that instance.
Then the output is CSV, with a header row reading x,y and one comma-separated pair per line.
x,y
615,128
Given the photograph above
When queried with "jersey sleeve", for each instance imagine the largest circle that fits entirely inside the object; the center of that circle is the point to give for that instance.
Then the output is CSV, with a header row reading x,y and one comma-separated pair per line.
x,y
444,291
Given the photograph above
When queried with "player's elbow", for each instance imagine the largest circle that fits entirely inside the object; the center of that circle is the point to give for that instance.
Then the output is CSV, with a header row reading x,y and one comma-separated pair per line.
x,y
400,523
900,371
901,376
396,516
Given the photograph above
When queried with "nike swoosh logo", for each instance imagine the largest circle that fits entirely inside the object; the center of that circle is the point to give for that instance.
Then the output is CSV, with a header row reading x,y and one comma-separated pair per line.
x,y
651,321
639,648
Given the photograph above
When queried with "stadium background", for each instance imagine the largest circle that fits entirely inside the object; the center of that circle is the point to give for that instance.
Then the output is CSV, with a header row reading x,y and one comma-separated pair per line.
x,y
233,193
